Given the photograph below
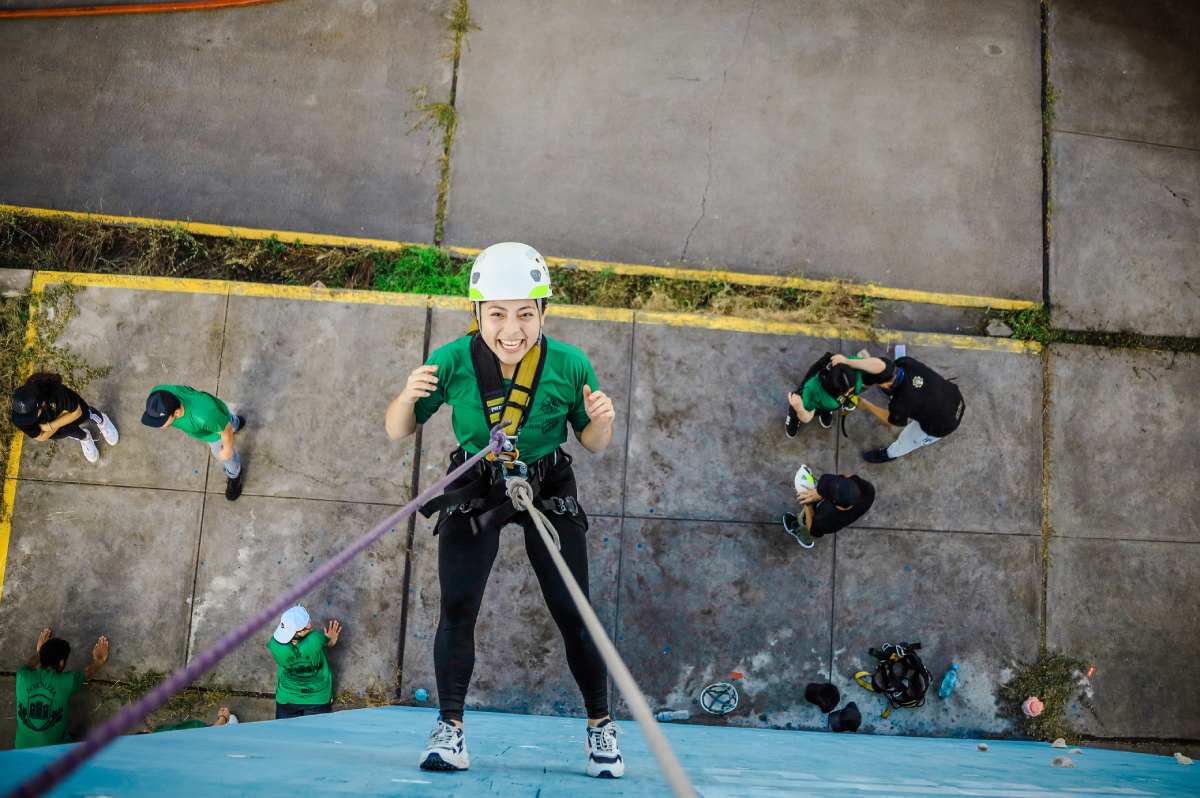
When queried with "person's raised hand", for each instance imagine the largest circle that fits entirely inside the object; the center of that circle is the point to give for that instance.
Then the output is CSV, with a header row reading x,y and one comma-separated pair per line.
x,y
43,636
100,650
796,402
598,406
332,630
838,360
421,383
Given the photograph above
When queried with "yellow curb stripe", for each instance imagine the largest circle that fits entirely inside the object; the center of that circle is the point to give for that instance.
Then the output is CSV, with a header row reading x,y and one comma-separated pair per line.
x,y
626,269
13,468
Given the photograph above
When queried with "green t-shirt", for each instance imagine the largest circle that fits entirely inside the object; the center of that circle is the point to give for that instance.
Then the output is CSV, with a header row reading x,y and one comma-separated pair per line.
x,y
558,399
42,698
815,397
304,676
204,417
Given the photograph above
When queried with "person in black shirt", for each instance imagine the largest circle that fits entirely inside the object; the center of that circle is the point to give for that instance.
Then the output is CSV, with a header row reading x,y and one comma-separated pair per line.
x,y
925,403
835,503
45,409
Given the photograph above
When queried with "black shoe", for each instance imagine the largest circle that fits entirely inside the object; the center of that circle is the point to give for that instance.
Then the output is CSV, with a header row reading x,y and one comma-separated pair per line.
x,y
792,525
233,487
877,456
241,423
826,418
792,425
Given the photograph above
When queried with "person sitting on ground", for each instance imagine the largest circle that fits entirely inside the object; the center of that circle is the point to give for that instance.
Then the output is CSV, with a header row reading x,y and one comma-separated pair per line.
x,y
304,683
44,689
204,417
45,409
835,503
926,404
224,718
831,384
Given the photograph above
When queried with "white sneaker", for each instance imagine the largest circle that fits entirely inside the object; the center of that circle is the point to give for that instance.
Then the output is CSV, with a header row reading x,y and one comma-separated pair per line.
x,y
108,430
446,750
90,452
604,755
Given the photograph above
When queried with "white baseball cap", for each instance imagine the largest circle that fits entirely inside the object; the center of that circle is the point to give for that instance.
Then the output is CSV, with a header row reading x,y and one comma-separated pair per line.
x,y
292,621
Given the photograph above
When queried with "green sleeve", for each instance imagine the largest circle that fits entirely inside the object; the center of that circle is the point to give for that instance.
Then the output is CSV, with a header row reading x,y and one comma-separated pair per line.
x,y
278,651
428,405
578,412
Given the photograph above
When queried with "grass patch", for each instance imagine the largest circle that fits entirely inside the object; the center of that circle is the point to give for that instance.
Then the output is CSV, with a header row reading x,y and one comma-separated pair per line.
x,y
75,245
52,311
193,703
1054,678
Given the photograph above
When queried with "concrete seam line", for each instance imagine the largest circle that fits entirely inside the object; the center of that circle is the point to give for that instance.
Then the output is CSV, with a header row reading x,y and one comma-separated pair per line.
x,y
627,269
584,312
128,8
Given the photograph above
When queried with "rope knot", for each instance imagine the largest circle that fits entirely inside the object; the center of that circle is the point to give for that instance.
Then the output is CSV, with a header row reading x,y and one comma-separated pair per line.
x,y
520,492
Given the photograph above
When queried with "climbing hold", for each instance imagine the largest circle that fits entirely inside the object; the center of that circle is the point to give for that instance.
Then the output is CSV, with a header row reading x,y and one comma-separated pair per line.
x,y
1075,751
1062,762
719,699
421,694
1181,759
1032,707
1059,743
982,746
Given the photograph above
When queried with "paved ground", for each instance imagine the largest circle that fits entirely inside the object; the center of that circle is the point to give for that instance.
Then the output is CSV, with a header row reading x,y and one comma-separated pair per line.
x,y
1126,212
827,140
688,567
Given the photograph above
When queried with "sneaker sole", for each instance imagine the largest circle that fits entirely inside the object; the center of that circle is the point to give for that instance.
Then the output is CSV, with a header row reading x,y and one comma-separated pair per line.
x,y
435,762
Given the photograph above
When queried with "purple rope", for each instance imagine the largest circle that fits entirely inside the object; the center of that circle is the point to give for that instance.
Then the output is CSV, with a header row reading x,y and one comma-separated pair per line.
x,y
124,720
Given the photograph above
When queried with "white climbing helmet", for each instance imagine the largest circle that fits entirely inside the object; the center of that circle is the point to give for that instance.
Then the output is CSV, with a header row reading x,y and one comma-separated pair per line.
x,y
509,271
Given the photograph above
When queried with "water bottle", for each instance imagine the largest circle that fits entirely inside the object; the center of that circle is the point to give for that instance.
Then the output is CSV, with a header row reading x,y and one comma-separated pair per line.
x,y
949,682
672,714
421,694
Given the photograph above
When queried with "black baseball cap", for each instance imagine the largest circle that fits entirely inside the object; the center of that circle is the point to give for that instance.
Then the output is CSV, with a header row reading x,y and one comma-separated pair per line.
x,y
159,407
825,696
842,491
25,407
846,719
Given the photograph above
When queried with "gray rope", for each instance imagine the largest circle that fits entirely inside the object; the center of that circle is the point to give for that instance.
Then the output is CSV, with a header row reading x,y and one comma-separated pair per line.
x,y
521,494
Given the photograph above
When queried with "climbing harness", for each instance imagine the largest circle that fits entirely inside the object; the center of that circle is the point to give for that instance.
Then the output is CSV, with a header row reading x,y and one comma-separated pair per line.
x,y
899,675
508,407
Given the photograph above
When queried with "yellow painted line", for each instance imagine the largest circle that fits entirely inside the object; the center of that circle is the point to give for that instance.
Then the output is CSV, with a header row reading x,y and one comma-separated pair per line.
x,y
140,282
13,468
627,269
216,230
936,340
344,295
781,281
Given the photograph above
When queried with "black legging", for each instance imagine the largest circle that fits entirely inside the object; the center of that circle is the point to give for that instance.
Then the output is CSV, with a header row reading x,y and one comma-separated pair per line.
x,y
464,564
75,428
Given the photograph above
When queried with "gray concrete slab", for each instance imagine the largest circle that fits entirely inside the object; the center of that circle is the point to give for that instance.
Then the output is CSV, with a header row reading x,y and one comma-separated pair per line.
x,y
1131,413
1130,607
255,548
1126,237
519,660
971,599
146,338
315,414
15,281
702,600
1127,69
828,140
291,115
88,560
986,476
706,437
607,345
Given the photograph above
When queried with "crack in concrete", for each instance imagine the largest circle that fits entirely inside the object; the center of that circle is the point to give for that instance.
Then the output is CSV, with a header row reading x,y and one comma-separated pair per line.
x,y
1185,199
712,119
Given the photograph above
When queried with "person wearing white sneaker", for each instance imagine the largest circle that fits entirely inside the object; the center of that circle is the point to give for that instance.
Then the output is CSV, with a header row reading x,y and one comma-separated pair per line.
x,y
45,409
447,748
604,755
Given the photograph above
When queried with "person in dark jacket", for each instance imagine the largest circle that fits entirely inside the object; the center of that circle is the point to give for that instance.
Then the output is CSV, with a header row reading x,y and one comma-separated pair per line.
x,y
45,409
835,503
927,405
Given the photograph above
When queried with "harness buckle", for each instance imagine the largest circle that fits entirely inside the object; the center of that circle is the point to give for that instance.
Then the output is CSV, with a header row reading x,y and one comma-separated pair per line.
x,y
515,469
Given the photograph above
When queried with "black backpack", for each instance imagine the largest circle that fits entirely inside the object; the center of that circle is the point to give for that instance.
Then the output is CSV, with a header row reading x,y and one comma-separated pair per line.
x,y
822,367
899,675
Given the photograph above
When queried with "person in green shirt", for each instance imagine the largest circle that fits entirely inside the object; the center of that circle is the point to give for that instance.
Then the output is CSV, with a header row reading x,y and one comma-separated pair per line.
x,y
44,689
304,682
496,363
831,384
204,417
